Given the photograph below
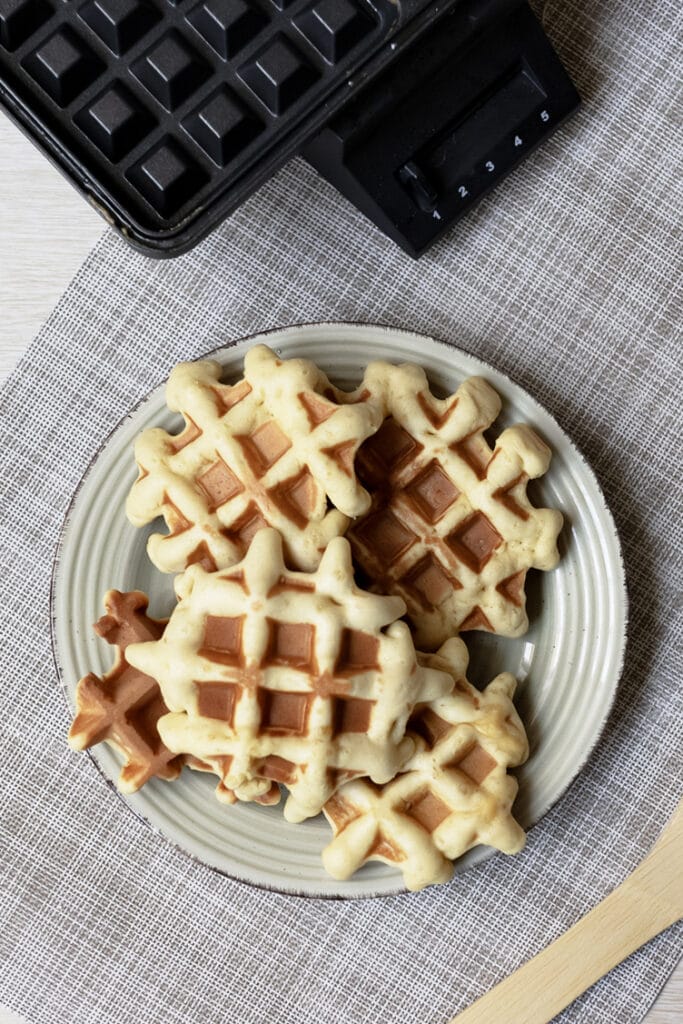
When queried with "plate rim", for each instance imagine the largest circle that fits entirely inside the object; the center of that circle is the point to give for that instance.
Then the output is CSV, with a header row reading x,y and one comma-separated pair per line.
x,y
287,330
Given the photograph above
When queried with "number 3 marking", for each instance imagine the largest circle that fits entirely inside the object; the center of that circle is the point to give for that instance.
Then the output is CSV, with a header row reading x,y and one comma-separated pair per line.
x,y
490,166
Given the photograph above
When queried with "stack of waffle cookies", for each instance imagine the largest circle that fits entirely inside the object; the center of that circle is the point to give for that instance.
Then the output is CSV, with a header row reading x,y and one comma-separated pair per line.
x,y
329,548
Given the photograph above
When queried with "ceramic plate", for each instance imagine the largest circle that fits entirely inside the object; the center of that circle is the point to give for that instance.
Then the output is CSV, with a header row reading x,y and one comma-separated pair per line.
x,y
568,664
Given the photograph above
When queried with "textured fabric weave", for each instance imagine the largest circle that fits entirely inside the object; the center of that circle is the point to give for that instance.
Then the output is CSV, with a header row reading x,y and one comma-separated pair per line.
x,y
568,280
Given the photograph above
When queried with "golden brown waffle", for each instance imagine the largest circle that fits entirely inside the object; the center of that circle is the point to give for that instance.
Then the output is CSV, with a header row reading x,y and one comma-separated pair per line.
x,y
299,678
219,766
274,449
123,707
451,529
454,793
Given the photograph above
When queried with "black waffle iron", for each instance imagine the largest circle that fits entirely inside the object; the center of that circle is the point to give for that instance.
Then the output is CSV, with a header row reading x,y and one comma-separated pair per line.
x,y
167,114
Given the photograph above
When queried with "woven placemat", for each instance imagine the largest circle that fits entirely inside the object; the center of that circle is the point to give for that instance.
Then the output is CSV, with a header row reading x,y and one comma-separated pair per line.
x,y
567,280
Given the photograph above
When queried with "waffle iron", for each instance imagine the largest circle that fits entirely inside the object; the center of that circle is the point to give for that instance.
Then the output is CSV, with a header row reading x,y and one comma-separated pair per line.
x,y
167,114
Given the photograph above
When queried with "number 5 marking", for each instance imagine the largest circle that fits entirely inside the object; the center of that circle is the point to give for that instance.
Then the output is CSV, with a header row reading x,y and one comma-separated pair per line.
x,y
545,116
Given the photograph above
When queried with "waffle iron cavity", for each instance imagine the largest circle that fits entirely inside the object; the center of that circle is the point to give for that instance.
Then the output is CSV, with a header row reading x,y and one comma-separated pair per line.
x,y
167,114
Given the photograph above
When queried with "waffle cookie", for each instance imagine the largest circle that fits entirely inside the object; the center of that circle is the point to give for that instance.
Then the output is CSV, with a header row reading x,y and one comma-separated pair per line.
x,y
297,678
217,766
275,449
123,707
454,792
451,529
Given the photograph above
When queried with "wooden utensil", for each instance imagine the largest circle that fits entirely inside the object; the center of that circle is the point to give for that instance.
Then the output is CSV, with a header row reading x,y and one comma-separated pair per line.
x,y
647,902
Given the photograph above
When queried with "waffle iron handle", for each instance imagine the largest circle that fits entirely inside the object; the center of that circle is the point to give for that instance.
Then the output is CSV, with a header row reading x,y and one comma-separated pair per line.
x,y
472,96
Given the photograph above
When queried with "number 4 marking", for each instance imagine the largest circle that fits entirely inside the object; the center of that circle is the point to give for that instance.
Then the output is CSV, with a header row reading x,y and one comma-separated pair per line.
x,y
518,141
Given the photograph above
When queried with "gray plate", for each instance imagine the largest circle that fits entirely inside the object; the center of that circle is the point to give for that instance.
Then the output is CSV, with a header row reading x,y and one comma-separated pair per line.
x,y
568,664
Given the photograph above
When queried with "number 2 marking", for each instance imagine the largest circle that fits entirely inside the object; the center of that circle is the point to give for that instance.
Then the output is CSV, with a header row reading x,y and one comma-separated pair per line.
x,y
462,192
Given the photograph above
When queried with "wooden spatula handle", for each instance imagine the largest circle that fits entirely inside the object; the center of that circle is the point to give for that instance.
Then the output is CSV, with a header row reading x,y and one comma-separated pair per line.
x,y
645,904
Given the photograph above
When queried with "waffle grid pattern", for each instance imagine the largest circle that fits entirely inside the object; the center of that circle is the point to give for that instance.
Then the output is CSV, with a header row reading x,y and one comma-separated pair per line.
x,y
123,707
454,792
267,451
168,102
451,529
283,675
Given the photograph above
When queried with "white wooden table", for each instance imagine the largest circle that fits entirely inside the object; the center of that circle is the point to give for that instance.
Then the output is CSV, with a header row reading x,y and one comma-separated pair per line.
x,y
46,231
